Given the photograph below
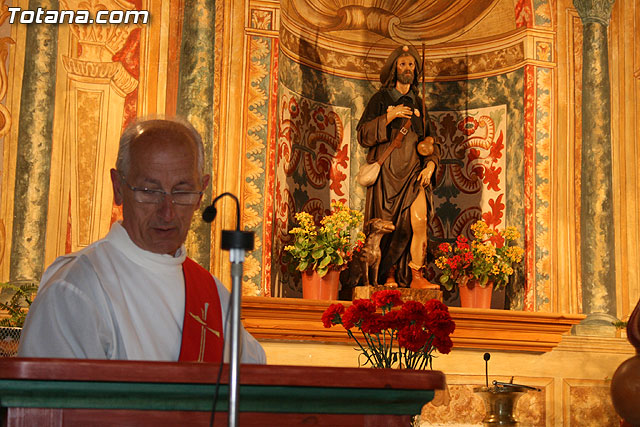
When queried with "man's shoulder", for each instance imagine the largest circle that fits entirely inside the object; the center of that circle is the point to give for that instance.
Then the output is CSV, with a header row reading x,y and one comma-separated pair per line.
x,y
79,263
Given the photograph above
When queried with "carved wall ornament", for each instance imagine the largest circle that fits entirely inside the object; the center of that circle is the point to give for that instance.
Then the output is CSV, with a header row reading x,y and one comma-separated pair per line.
x,y
399,20
594,10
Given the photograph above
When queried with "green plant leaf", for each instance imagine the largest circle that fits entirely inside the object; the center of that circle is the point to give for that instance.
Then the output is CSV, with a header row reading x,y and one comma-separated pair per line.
x,y
17,304
325,262
317,253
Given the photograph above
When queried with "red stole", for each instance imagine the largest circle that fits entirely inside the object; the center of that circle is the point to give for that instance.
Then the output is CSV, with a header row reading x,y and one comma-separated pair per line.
x,y
202,338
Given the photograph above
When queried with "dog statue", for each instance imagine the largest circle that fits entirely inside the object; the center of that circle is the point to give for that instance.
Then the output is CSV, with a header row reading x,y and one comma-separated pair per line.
x,y
369,255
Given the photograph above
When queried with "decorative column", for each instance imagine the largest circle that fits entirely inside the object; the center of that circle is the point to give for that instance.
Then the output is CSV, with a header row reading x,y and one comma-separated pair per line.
x,y
97,90
596,216
195,103
33,165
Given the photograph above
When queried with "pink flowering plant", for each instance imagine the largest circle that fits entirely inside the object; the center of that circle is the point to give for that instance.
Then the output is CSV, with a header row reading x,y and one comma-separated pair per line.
x,y
395,333
328,246
490,257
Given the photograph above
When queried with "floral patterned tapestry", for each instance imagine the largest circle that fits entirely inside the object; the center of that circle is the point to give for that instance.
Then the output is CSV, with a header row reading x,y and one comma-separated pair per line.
x,y
471,179
313,170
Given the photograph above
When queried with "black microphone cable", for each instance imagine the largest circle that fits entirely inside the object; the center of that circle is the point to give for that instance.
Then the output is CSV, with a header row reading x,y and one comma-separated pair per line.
x,y
212,418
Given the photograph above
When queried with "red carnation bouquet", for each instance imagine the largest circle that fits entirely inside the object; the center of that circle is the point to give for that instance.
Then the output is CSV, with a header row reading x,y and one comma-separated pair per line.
x,y
402,338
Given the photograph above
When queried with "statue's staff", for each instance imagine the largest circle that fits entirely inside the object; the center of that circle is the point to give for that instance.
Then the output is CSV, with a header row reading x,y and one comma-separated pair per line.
x,y
425,147
424,93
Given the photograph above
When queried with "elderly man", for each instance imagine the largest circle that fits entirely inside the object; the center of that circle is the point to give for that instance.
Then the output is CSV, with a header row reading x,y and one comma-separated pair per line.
x,y
402,192
135,294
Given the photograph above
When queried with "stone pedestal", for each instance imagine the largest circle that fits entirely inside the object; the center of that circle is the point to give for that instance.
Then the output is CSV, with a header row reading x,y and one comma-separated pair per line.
x,y
421,295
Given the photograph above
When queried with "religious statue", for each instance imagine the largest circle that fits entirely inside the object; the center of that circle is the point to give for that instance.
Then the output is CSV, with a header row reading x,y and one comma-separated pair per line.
x,y
394,126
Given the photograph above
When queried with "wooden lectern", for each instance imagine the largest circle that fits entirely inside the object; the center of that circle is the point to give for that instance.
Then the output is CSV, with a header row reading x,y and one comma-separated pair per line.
x,y
71,392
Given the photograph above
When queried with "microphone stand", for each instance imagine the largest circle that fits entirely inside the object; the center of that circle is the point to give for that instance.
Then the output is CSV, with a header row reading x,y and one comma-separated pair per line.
x,y
236,242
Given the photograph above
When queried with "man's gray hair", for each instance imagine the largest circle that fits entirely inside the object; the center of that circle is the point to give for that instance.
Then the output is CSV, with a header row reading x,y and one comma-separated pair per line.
x,y
172,125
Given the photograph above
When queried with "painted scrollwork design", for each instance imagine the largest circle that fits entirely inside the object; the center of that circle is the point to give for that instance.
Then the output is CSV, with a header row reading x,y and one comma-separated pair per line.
x,y
481,153
285,208
315,136
288,157
5,42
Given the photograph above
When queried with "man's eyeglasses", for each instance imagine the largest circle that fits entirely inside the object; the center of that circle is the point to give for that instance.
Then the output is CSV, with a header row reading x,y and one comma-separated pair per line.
x,y
147,195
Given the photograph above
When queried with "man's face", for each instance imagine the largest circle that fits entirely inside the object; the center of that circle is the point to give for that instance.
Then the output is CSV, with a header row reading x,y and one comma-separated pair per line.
x,y
405,68
167,163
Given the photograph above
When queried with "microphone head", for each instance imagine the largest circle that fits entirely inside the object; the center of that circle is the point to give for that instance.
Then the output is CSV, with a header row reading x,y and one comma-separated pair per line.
x,y
487,356
209,213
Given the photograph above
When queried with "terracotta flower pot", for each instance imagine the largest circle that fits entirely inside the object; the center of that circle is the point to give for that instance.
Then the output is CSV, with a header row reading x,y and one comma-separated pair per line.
x,y
472,295
323,288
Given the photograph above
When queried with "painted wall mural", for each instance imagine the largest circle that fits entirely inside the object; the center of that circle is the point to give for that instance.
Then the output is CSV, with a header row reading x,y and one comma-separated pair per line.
x,y
504,90
319,61
103,67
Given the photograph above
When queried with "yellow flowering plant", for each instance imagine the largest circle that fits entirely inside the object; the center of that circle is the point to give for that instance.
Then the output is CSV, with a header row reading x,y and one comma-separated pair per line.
x,y
329,246
489,257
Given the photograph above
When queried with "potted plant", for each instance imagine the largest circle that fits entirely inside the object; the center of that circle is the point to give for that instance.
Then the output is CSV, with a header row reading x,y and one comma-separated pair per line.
x,y
403,338
16,308
321,250
480,265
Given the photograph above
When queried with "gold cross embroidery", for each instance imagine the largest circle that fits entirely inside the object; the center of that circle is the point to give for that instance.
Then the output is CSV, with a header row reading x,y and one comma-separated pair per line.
x,y
203,332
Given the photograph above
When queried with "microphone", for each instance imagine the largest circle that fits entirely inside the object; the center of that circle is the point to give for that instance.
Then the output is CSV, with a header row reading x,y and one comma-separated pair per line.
x,y
230,239
209,214
236,242
486,356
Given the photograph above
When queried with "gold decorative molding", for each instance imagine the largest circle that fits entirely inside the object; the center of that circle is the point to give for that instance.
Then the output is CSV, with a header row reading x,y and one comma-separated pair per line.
x,y
300,320
90,71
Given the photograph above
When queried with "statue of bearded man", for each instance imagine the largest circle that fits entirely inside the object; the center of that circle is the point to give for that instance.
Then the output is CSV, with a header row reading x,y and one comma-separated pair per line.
x,y
403,191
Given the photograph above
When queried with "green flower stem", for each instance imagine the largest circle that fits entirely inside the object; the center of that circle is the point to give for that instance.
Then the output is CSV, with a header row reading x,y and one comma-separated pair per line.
x,y
364,351
376,350
391,347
